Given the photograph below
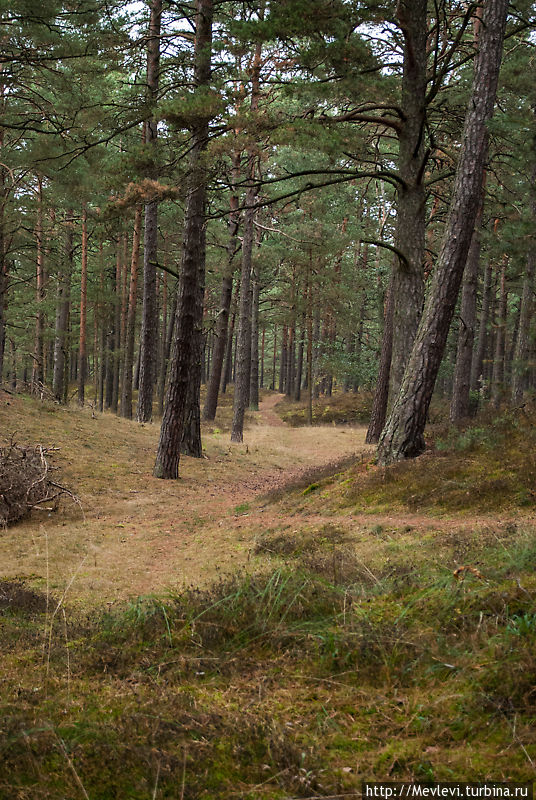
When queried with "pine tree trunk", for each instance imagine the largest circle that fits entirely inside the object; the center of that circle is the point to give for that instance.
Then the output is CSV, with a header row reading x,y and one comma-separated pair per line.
x,y
82,355
167,350
38,373
403,435
497,379
188,321
381,394
222,323
254,373
60,378
477,367
128,363
191,434
408,289
460,406
243,353
148,341
522,346
228,364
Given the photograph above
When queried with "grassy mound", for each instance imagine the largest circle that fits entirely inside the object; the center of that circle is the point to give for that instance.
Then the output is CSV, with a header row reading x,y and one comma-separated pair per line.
x,y
488,466
339,409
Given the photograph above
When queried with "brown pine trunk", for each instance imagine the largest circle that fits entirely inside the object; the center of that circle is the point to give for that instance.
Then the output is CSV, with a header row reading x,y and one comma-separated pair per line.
x,y
188,320
126,388
38,371
148,341
82,356
254,373
520,366
243,350
460,406
379,405
61,340
477,367
403,435
408,288
309,324
222,323
497,379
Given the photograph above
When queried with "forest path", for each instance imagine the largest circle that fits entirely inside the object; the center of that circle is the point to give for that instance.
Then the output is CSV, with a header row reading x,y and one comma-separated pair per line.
x,y
141,535
266,409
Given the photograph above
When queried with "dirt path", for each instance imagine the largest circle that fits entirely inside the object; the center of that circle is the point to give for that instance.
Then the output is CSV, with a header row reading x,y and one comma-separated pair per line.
x,y
141,535
266,408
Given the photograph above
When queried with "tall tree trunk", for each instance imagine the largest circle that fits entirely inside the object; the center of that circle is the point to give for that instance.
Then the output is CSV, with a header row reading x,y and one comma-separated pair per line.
x,y
408,290
403,435
522,345
309,324
191,433
61,340
82,356
460,406
222,322
243,354
477,366
128,363
254,372
148,342
243,360
188,322
379,405
497,379
38,371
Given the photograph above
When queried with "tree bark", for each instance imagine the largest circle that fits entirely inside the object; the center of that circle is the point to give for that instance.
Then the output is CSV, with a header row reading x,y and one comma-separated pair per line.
x,y
254,372
188,322
128,363
60,378
222,323
38,369
408,288
82,356
403,435
460,406
522,346
148,342
379,405
497,379
243,353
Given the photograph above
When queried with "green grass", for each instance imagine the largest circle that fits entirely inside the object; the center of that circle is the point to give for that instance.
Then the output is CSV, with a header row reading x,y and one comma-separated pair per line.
x,y
277,684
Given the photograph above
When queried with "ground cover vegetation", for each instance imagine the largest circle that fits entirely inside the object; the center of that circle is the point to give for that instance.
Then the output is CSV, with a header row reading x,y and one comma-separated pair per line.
x,y
255,257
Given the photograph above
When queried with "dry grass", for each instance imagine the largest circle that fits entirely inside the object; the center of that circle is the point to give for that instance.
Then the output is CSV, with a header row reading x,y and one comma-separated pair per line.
x,y
140,534
352,647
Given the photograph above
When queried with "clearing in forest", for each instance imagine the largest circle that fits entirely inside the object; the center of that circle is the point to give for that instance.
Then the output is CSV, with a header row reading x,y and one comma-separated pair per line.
x,y
141,535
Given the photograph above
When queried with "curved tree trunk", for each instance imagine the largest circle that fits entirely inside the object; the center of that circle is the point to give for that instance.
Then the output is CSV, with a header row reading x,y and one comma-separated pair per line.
x,y
403,435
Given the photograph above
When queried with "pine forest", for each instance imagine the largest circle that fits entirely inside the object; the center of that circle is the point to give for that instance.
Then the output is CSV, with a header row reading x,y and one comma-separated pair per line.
x,y
268,398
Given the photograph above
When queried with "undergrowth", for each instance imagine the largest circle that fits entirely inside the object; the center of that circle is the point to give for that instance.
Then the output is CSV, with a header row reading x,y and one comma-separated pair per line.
x,y
293,682
489,465
346,408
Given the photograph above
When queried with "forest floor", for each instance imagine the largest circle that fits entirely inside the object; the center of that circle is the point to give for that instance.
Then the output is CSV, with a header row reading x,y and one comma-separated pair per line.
x,y
283,622
139,535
